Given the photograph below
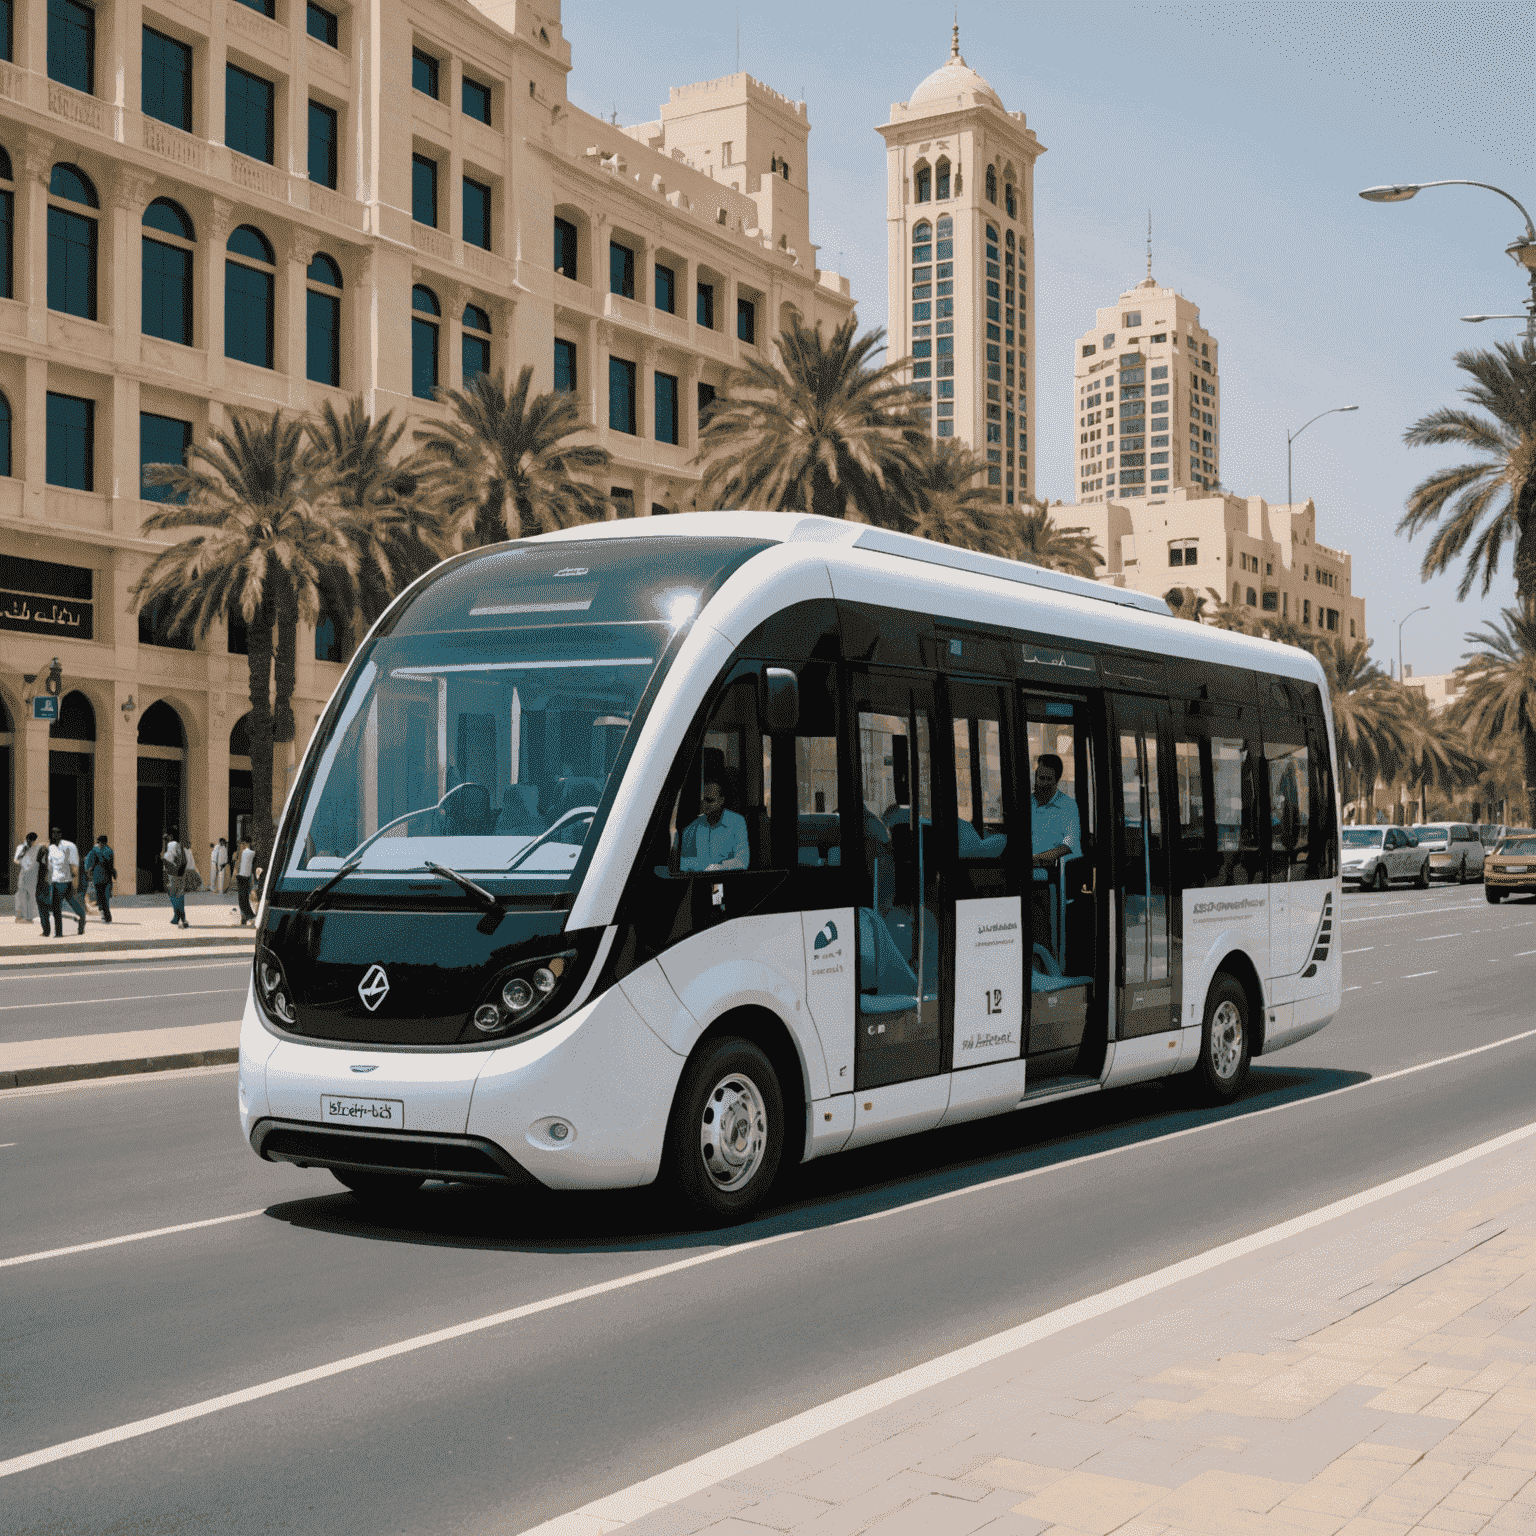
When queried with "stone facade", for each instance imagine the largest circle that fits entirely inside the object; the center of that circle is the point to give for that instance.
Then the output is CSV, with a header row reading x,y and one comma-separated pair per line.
x,y
466,103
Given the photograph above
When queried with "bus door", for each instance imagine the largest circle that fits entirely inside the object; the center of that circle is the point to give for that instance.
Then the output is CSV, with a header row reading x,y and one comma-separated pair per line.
x,y
1069,961
1146,1002
898,1015
983,879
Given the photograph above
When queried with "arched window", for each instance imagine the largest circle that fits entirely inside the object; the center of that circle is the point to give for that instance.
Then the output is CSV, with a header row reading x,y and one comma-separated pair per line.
x,y
250,278
166,291
7,227
72,242
1008,240
1010,202
922,315
921,235
477,342
322,300
922,185
991,184
425,313
5,436
77,720
941,181
946,229
160,726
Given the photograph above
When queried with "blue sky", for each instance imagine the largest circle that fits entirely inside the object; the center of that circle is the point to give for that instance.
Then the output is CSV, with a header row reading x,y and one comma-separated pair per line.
x,y
1247,129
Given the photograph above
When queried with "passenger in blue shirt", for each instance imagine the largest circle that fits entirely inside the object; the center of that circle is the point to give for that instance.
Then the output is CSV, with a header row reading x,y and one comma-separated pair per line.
x,y
717,839
1057,835
99,870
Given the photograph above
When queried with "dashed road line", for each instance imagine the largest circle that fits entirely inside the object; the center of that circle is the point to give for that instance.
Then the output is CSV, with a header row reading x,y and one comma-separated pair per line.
x,y
1414,975
145,997
127,1237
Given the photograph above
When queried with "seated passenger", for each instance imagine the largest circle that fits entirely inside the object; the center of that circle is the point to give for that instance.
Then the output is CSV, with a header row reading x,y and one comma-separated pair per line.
x,y
517,817
1057,835
715,840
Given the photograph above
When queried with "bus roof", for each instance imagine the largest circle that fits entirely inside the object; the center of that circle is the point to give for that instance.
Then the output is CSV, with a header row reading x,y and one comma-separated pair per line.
x,y
807,528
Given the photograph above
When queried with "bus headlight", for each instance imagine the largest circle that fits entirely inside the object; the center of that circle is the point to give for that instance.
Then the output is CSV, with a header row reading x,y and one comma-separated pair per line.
x,y
520,996
273,990
517,995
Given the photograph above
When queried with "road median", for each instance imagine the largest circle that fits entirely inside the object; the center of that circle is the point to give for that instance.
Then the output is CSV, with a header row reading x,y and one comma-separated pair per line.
x,y
35,1063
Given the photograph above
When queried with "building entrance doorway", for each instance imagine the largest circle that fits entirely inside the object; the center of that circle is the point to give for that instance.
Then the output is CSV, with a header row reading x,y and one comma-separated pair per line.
x,y
161,791
72,772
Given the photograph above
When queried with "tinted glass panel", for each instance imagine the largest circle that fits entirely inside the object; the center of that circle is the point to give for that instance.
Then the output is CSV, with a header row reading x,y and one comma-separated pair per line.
x,y
323,337
72,44
706,306
5,436
322,144
665,289
424,190
265,7
167,292
7,245
71,263
746,321
162,440
565,365
621,395
7,38
248,113
248,298
247,240
477,100
477,214
424,72
166,82
71,442
423,358
666,407
621,270
476,356
565,248
321,24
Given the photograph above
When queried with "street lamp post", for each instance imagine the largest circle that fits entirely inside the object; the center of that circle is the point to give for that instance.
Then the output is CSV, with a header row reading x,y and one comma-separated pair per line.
x,y
1290,437
1522,250
1400,623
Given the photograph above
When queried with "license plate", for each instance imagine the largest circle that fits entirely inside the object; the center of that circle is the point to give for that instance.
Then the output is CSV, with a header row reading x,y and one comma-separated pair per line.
x,y
374,1114
1512,869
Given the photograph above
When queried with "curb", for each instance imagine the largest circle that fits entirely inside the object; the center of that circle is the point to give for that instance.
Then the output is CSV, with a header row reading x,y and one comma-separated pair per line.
x,y
114,946
33,1077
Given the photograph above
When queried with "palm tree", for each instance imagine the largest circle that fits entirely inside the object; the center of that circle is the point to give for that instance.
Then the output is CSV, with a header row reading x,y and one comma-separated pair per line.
x,y
405,534
1498,683
951,506
1042,542
1187,603
1436,754
1369,719
503,465
821,430
1493,497
269,534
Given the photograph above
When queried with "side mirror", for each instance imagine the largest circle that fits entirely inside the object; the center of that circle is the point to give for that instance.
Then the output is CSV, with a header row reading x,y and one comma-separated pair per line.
x,y
781,699
1413,839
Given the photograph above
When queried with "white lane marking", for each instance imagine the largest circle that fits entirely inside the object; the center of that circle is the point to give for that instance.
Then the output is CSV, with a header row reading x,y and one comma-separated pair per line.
x,y
1414,975
1384,917
126,1080
477,1325
146,997
1429,938
1363,951
4,1144
102,972
653,1494
252,1394
127,1237
1352,989
1524,952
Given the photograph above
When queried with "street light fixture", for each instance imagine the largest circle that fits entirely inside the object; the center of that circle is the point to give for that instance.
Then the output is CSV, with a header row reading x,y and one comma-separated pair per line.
x,y
1521,251
1400,623
1290,437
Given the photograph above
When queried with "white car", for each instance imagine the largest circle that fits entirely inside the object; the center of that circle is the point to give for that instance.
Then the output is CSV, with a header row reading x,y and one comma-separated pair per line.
x,y
1379,855
1455,851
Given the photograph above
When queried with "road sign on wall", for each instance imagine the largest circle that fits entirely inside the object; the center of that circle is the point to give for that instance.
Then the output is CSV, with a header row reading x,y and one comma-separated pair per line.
x,y
45,707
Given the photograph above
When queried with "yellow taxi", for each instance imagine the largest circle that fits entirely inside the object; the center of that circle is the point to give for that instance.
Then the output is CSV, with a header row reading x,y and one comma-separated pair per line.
x,y
1511,866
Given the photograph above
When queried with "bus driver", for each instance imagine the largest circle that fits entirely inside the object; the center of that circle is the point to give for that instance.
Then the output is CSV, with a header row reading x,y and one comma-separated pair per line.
x,y
1056,835
718,838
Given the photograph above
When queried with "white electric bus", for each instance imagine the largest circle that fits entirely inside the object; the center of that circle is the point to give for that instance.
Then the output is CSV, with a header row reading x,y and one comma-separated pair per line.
x,y
702,846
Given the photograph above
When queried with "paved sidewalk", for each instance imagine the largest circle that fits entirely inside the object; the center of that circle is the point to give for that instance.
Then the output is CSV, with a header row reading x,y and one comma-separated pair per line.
x,y
1374,1377
27,1063
138,923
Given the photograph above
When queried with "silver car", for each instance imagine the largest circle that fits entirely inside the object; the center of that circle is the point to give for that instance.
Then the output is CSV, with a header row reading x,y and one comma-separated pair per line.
x,y
1455,851
1379,855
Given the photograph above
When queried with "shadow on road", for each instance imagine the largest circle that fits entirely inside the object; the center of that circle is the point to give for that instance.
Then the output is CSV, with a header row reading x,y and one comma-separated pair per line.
x,y
820,1194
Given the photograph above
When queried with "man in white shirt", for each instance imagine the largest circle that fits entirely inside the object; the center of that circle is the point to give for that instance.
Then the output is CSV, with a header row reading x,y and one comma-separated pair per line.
x,y
1056,835
717,839
246,861
218,865
63,873
25,860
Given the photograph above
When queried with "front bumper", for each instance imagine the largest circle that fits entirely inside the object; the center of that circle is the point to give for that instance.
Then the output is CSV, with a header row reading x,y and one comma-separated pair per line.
x,y
1360,873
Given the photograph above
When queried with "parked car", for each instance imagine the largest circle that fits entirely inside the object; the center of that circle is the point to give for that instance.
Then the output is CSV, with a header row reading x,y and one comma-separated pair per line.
x,y
1510,868
1455,852
1379,855
1491,833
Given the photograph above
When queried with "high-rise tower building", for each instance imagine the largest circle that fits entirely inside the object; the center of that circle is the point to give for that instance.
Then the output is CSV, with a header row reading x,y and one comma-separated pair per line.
x,y
960,207
1145,397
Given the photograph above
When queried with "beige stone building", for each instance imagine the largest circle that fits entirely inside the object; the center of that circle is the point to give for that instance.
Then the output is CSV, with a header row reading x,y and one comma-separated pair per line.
x,y
960,220
1146,397
1440,689
208,205
1224,548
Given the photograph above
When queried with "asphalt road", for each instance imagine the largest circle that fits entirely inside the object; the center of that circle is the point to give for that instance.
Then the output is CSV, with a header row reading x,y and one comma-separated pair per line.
x,y
64,1001
508,1425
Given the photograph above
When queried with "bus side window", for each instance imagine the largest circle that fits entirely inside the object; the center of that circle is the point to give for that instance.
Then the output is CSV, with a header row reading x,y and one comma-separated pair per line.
x,y
817,841
722,816
1290,809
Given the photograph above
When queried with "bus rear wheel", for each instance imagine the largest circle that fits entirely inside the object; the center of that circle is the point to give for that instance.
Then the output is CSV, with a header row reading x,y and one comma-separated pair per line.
x,y
726,1135
1225,1042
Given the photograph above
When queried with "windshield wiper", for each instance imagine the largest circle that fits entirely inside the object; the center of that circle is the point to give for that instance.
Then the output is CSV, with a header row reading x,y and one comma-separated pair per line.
x,y
319,893
465,884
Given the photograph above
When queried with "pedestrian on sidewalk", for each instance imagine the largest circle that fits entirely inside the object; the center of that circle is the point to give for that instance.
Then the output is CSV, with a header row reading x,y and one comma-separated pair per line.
x,y
175,860
218,864
25,859
42,891
100,872
247,862
63,873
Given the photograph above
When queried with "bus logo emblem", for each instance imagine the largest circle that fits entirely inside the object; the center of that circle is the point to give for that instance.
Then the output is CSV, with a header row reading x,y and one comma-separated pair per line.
x,y
373,988
827,935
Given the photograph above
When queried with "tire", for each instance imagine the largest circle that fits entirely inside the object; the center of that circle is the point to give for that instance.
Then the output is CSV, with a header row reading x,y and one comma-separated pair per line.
x,y
1422,882
1383,879
380,1191
1225,1042
1461,872
729,1085
1491,896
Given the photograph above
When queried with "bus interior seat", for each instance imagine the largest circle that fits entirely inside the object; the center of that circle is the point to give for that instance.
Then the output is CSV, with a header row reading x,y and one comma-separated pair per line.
x,y
466,811
899,922
970,841
886,982
519,814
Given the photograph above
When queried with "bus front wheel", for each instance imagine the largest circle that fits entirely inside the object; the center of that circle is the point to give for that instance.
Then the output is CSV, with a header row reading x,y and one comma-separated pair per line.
x,y
1225,1042
727,1130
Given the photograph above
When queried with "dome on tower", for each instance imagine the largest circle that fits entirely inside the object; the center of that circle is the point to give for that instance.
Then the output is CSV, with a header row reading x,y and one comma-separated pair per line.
x,y
954,84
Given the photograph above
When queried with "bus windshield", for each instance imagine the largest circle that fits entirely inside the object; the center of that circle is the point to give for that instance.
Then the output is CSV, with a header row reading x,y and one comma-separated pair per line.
x,y
486,752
